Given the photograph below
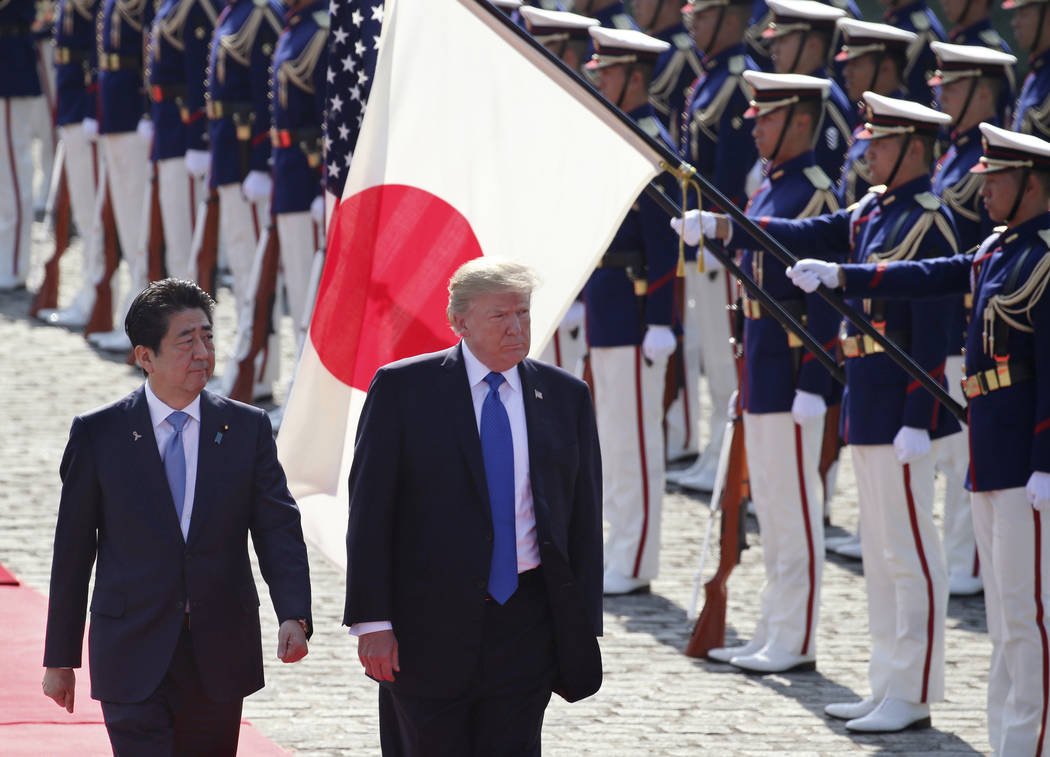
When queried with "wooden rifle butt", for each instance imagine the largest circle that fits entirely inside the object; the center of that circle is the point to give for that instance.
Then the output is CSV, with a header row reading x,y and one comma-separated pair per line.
x,y
155,247
102,315
262,317
47,295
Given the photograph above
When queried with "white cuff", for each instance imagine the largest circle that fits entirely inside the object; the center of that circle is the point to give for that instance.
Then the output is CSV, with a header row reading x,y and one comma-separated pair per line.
x,y
360,629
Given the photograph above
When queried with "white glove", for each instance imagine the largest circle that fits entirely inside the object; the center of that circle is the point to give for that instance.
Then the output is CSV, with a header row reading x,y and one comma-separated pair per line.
x,y
573,316
697,223
807,407
711,263
257,186
659,342
145,130
198,162
317,210
90,128
911,443
733,399
1038,490
809,274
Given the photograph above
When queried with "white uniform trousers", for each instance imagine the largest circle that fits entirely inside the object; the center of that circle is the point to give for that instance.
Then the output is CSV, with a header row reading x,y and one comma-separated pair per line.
x,y
566,351
83,167
179,195
628,404
952,455
905,574
240,225
46,137
300,239
706,329
16,195
783,461
1014,541
127,171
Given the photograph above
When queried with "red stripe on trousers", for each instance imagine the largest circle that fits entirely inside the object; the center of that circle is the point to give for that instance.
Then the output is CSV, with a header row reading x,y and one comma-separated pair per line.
x,y
18,193
809,538
913,520
1037,517
641,452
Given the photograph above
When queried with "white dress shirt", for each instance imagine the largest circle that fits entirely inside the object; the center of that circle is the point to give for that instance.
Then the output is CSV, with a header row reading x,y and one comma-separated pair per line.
x,y
510,394
191,434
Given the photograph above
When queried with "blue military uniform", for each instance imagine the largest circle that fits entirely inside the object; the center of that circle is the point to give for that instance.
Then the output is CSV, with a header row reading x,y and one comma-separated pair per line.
x,y
120,61
917,17
76,62
834,136
17,56
1032,115
613,16
675,71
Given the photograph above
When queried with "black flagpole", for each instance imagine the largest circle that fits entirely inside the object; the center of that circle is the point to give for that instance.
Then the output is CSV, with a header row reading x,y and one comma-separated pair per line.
x,y
675,165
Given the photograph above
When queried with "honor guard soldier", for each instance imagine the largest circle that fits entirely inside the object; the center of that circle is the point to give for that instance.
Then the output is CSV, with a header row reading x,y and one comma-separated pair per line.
x,y
1008,386
612,14
970,80
783,391
887,419
567,36
1031,26
716,139
916,16
629,303
125,134
76,95
677,68
20,94
800,34
178,59
874,58
238,110
971,25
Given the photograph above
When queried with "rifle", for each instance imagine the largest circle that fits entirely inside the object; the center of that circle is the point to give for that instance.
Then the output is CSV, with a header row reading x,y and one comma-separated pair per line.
x,y
265,292
155,248
205,251
102,315
57,213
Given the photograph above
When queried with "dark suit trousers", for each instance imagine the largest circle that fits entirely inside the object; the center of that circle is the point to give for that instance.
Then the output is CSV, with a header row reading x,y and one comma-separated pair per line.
x,y
502,714
178,719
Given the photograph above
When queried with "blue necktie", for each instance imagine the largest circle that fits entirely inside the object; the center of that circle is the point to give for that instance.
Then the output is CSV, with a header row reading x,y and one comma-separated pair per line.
x,y
497,449
175,461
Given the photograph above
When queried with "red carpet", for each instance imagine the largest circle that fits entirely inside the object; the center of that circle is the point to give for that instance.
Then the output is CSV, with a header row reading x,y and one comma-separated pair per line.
x,y
31,725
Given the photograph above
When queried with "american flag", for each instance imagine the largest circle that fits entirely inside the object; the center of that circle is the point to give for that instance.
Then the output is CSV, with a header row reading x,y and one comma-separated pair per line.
x,y
352,49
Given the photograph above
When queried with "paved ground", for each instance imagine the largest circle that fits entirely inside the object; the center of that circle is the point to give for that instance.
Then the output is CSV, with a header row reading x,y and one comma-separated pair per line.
x,y
655,701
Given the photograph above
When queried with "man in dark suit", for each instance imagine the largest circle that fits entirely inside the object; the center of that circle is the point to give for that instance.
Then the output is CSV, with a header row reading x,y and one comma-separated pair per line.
x,y
474,574
163,487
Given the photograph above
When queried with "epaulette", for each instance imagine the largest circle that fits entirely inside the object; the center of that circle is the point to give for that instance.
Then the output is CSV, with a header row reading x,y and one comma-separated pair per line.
x,y
991,38
260,3
817,177
682,41
920,21
622,21
650,126
928,201
737,65
322,19
1044,234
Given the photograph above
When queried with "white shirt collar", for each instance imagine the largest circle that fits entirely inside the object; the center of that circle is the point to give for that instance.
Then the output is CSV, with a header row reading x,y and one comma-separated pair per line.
x,y
159,411
477,371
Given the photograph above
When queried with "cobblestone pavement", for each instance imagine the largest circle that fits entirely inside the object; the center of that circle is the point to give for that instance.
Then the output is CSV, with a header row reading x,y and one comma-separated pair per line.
x,y
655,701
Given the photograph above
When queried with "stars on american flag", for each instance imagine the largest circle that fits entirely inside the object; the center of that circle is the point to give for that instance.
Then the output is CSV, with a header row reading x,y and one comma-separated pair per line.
x,y
352,52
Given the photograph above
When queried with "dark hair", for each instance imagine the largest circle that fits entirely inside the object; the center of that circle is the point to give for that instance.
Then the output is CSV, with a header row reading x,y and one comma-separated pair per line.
x,y
148,316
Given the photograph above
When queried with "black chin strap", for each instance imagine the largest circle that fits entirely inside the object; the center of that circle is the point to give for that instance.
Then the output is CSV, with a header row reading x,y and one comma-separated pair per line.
x,y
966,103
655,16
1039,28
623,89
1020,193
900,159
802,37
875,74
783,133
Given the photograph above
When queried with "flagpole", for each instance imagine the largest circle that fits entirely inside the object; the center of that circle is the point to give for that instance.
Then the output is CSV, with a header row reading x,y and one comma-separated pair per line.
x,y
673,163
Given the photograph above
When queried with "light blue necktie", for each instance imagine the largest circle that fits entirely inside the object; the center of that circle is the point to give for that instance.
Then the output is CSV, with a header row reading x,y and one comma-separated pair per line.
x,y
175,461
497,449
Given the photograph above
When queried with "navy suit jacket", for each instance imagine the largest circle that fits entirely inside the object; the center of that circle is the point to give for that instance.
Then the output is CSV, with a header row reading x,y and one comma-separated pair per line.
x,y
419,542
116,508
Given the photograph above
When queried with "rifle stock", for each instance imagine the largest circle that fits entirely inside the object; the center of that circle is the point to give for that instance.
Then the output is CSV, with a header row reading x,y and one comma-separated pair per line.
x,y
262,317
102,315
206,254
59,212
155,268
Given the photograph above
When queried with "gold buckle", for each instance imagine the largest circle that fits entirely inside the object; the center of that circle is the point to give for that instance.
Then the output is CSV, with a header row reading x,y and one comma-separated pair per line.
x,y
641,287
1002,371
752,308
971,387
213,109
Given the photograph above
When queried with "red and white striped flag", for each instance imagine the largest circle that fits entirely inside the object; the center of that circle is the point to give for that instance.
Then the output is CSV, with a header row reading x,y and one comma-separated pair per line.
x,y
473,143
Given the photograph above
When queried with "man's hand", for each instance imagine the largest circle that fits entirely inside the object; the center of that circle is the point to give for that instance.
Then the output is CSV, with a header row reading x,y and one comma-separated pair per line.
x,y
698,223
809,274
291,641
59,684
1038,490
911,444
658,343
807,407
377,652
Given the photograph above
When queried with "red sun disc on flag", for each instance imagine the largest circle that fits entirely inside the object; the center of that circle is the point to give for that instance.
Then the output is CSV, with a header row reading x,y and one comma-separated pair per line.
x,y
384,289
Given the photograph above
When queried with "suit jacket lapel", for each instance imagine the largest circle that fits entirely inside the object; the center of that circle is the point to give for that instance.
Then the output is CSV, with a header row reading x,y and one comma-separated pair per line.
x,y
461,406
214,411
152,489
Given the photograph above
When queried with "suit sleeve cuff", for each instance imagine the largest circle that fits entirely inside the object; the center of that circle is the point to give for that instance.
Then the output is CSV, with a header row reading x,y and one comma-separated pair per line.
x,y
360,629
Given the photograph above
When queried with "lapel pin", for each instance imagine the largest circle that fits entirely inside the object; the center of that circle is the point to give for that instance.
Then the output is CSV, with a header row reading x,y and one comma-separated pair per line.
x,y
218,436
135,436
539,394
